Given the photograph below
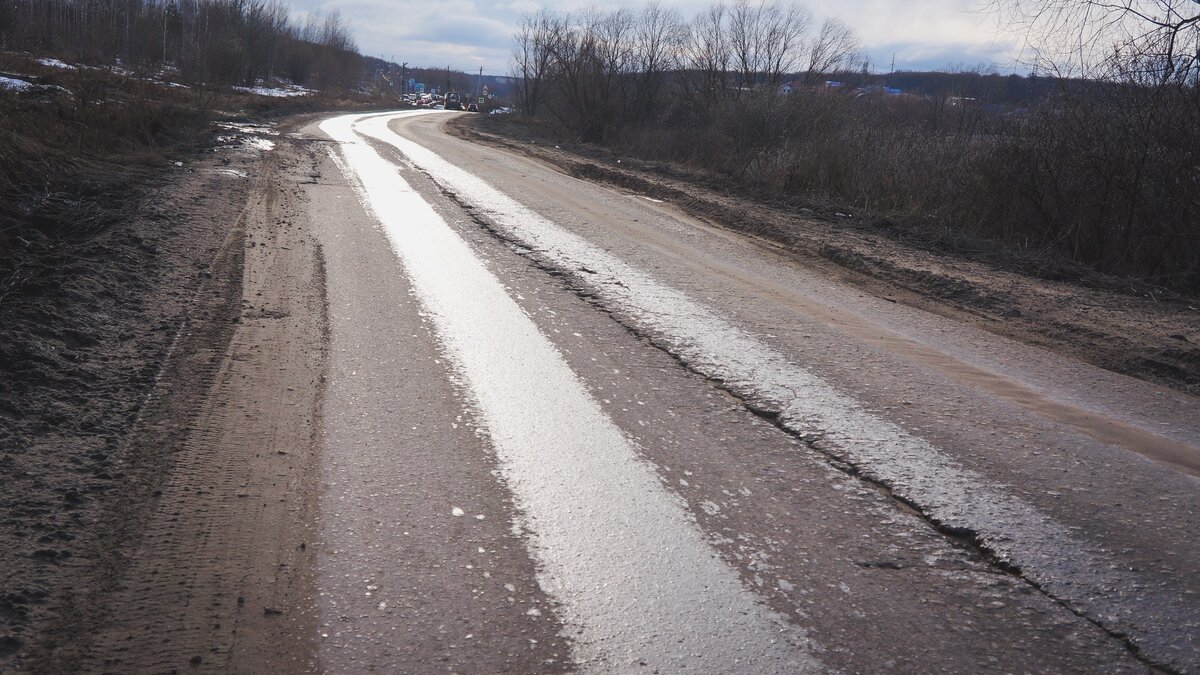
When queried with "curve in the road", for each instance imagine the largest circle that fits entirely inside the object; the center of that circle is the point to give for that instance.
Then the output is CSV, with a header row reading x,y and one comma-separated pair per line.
x,y
593,508
957,499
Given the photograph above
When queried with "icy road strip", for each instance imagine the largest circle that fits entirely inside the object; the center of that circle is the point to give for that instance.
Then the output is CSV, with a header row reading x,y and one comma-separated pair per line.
x,y
1046,551
629,567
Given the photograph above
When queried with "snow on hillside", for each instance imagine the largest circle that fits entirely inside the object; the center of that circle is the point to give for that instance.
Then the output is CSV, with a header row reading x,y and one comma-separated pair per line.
x,y
278,92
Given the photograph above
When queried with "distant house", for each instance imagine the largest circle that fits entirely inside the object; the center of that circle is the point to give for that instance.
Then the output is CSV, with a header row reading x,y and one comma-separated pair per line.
x,y
880,89
788,87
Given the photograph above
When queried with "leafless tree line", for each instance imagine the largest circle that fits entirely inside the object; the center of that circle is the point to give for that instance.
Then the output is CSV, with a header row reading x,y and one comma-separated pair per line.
x,y
597,70
1099,167
209,41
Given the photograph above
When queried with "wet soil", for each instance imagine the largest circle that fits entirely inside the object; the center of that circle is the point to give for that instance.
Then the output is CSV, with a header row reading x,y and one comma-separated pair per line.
x,y
1114,323
109,347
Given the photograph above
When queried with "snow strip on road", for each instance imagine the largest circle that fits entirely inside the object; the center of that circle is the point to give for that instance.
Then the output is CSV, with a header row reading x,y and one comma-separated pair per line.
x,y
1044,549
629,567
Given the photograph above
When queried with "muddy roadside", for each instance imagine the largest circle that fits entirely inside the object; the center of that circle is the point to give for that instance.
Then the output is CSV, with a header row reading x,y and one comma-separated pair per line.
x,y
157,426
1113,323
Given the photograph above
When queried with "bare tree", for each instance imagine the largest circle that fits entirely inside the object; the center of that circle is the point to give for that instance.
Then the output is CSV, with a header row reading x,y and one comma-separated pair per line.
x,y
707,57
212,41
1156,40
657,43
533,56
766,39
598,70
835,47
592,53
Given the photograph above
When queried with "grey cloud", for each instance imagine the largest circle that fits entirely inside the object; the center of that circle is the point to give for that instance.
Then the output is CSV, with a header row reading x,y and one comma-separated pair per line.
x,y
929,56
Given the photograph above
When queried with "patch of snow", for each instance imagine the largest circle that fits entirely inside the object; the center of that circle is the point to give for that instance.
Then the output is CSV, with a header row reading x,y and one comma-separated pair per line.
x,y
14,84
247,128
276,92
262,144
55,63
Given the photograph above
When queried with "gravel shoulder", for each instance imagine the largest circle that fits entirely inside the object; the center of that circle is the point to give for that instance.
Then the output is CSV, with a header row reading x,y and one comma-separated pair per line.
x,y
1112,323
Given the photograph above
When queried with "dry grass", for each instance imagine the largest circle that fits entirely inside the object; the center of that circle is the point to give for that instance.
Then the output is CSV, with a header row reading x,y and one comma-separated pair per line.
x,y
1106,182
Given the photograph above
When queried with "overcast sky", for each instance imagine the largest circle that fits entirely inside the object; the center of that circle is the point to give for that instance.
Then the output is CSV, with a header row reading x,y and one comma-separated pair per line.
x,y
466,34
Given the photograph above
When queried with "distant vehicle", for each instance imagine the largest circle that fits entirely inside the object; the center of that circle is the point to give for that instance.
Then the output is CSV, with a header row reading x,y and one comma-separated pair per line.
x,y
453,101
471,107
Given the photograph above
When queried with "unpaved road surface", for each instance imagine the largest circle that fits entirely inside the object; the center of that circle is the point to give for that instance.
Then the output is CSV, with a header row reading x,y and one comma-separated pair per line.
x,y
465,413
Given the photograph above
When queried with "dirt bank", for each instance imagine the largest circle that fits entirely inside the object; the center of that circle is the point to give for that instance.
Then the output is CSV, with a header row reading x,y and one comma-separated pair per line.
x,y
1116,324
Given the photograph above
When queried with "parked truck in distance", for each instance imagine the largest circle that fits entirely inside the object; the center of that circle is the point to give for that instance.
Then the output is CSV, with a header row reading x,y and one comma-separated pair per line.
x,y
453,100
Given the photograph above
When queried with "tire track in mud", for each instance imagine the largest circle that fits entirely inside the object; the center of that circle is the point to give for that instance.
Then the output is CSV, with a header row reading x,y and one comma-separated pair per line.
x,y
203,562
222,578
110,315
148,458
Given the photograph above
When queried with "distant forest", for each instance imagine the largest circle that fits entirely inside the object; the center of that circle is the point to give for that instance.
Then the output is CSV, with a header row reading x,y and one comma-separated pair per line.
x,y
198,41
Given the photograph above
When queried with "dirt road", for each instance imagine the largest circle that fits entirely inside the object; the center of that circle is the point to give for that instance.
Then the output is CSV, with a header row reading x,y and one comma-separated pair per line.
x,y
471,414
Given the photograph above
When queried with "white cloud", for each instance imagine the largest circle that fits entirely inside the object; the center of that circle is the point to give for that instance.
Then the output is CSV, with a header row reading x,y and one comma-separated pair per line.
x,y
924,33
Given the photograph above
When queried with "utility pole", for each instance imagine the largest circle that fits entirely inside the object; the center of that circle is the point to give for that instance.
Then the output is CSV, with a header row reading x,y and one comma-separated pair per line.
x,y
479,87
404,76
447,78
